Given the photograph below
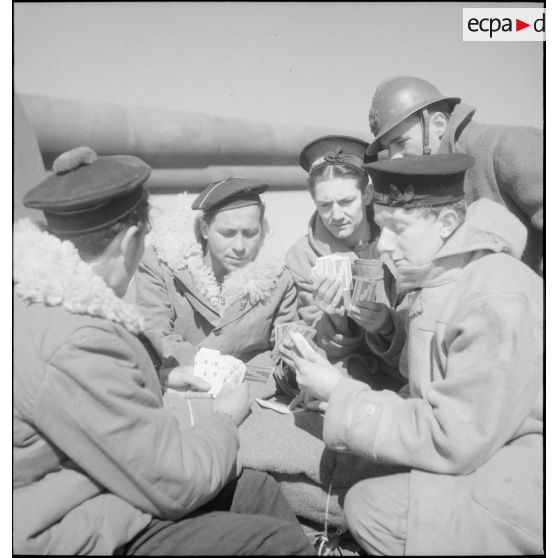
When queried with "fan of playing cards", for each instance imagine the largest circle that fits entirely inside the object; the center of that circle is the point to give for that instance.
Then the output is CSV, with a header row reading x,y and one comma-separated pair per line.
x,y
217,369
364,273
282,330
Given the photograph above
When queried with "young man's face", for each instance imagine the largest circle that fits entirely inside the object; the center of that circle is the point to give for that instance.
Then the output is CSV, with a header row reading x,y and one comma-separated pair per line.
x,y
408,238
341,206
233,238
406,138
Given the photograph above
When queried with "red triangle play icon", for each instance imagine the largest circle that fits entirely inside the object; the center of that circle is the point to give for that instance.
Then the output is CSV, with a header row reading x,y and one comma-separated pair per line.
x,y
519,25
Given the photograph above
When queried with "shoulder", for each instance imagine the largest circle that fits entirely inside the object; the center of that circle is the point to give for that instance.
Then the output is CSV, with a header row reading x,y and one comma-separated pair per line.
x,y
151,264
501,136
285,281
300,256
52,327
499,277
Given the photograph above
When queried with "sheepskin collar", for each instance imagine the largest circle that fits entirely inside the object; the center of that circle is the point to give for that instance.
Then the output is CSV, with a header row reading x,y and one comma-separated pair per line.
x,y
176,240
50,271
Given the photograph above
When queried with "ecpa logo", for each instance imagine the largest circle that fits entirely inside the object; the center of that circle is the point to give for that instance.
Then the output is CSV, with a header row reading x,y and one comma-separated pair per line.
x,y
503,24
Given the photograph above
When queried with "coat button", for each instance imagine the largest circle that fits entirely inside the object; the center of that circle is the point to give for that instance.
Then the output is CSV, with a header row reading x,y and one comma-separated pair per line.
x,y
370,409
217,332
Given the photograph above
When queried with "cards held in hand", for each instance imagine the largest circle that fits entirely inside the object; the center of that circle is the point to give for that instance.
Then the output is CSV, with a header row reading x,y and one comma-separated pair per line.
x,y
336,266
371,269
218,369
369,282
282,330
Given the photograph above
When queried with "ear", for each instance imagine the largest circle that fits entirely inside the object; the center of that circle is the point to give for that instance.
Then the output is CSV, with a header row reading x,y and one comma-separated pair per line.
x,y
367,194
448,221
128,239
204,228
438,124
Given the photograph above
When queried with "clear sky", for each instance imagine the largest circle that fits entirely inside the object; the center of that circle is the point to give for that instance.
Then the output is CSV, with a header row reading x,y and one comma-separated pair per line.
x,y
310,63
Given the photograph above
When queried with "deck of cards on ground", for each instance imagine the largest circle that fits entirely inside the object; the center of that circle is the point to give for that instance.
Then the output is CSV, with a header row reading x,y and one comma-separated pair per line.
x,y
217,369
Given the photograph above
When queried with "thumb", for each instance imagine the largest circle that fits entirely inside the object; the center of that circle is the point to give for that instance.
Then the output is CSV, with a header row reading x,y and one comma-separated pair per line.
x,y
197,383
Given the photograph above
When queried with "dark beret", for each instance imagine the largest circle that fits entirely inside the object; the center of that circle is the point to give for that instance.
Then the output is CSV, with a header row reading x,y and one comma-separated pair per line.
x,y
88,192
333,150
416,180
230,193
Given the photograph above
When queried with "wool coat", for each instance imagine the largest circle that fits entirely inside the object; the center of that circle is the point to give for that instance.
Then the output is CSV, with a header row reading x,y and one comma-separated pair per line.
x,y
471,347
350,350
184,307
508,170
95,454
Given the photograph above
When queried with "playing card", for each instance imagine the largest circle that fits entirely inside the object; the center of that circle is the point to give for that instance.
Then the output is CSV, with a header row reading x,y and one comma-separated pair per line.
x,y
218,369
336,266
297,337
364,290
372,269
276,406
282,330
258,373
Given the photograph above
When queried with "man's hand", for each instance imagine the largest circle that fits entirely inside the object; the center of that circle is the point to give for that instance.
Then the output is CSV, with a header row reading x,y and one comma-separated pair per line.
x,y
234,401
309,402
182,378
328,296
315,375
373,317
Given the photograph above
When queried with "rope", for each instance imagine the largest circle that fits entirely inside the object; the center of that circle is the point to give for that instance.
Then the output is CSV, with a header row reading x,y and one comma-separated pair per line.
x,y
192,421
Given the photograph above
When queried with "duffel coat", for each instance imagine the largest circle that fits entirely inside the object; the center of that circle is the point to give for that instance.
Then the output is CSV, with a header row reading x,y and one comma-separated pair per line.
x,y
508,169
471,346
186,309
95,455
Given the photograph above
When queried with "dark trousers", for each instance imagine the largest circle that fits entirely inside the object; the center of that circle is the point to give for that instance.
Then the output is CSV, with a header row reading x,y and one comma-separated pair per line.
x,y
249,516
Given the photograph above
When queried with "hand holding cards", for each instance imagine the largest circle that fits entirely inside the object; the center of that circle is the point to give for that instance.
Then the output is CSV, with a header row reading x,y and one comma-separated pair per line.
x,y
217,369
282,331
367,274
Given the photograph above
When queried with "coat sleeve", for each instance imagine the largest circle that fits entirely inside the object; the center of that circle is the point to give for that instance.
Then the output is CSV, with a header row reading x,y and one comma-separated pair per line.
x,y
94,405
493,376
518,164
153,297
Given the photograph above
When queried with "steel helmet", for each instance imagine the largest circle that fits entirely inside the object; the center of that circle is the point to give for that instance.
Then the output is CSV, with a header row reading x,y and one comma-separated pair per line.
x,y
398,98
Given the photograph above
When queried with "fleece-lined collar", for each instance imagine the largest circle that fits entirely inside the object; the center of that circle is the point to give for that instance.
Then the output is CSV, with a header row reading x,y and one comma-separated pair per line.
x,y
176,241
50,271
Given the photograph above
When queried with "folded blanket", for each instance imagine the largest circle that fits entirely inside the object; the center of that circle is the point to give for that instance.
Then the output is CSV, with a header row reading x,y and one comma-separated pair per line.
x,y
310,501
291,449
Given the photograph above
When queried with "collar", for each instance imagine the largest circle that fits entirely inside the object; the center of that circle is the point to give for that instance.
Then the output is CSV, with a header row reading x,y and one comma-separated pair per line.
x,y
50,271
176,241
460,117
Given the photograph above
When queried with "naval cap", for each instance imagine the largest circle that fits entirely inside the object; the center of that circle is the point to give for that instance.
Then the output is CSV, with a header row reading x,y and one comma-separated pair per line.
x,y
333,150
230,193
88,192
419,180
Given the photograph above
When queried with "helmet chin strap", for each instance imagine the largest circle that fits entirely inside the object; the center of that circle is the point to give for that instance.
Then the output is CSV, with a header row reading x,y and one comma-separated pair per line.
x,y
425,121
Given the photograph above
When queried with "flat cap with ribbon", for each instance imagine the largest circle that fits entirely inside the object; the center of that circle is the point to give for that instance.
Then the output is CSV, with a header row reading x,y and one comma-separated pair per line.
x,y
333,150
419,180
88,192
229,194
